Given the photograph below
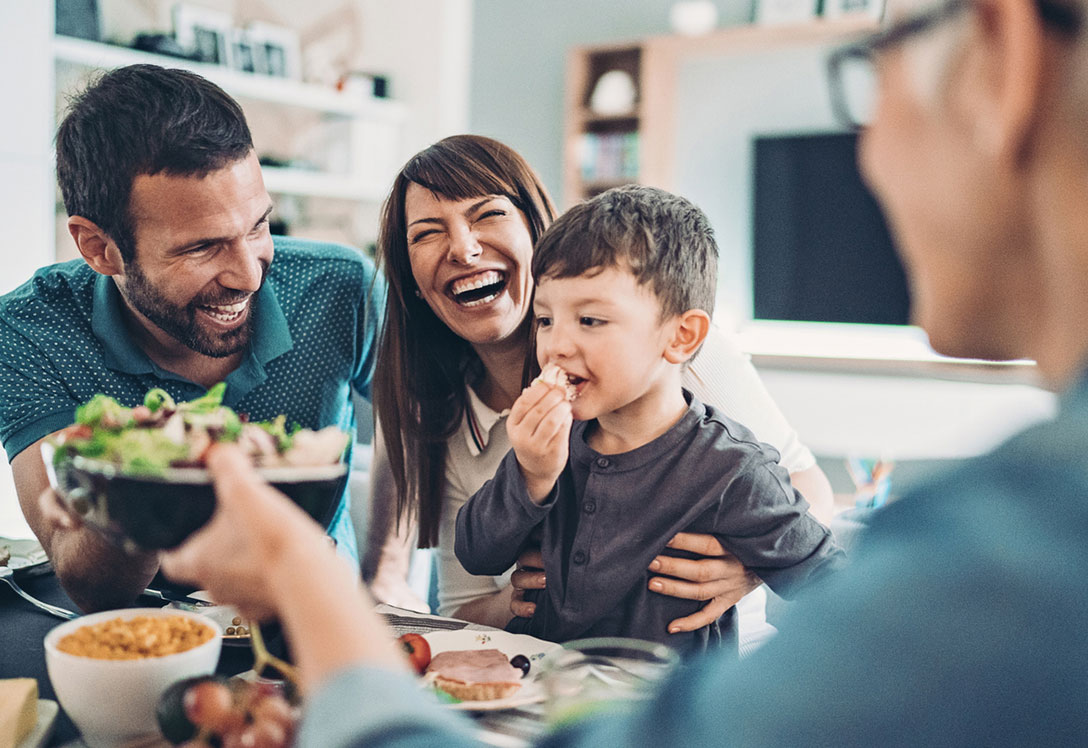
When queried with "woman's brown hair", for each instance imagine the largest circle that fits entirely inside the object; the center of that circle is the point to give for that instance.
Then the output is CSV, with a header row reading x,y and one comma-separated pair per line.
x,y
422,366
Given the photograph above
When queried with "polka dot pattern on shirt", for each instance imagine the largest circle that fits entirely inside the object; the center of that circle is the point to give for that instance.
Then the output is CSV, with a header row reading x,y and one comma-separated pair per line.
x,y
52,359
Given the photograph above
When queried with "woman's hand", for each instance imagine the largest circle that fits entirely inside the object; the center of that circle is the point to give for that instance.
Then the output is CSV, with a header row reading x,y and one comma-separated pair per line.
x,y
718,578
539,429
253,534
529,575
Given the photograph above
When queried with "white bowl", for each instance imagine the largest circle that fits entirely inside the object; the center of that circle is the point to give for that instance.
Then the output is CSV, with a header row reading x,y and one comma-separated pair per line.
x,y
113,701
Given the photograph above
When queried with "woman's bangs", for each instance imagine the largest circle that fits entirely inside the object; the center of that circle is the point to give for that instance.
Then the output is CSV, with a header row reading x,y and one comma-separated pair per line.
x,y
455,179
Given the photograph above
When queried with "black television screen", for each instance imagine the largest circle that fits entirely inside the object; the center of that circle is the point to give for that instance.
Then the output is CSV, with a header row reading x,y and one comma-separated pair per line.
x,y
821,248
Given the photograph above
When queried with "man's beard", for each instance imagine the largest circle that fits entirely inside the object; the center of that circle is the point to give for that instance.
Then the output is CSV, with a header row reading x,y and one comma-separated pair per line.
x,y
180,322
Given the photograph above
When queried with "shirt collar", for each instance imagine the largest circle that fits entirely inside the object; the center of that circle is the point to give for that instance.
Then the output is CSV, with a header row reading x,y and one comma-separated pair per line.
x,y
271,339
108,325
480,419
581,451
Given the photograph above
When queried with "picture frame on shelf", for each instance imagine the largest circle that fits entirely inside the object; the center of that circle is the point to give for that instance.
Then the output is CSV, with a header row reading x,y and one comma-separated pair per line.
x,y
78,18
245,53
854,8
278,49
205,33
778,12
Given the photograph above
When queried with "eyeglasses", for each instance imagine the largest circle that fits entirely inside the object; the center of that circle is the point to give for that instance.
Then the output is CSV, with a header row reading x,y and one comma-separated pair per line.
x,y
851,69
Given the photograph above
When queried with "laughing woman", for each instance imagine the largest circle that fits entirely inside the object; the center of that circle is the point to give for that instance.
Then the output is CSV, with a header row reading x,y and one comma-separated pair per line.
x,y
456,242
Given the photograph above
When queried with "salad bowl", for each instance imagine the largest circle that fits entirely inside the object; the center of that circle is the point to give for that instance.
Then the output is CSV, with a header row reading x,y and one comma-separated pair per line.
x,y
137,475
160,511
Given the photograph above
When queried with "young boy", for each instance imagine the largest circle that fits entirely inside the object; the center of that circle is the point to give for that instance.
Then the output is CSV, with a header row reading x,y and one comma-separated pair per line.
x,y
614,461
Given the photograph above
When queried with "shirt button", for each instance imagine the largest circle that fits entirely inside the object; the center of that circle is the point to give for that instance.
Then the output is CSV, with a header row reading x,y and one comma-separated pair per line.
x,y
579,557
602,462
589,507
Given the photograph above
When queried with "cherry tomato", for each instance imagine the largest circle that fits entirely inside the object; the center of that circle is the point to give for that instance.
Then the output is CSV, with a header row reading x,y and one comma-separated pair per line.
x,y
418,651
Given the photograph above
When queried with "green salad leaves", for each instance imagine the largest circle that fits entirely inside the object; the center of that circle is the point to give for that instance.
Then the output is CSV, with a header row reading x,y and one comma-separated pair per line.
x,y
161,433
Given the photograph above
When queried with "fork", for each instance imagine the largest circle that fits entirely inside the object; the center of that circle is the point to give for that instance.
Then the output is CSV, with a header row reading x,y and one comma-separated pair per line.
x,y
8,576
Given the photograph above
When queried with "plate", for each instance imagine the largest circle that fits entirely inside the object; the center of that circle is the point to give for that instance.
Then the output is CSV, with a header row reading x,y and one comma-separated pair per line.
x,y
43,728
531,691
26,555
224,615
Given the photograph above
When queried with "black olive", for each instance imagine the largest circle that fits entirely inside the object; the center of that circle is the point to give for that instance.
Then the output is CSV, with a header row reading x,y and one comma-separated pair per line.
x,y
173,723
521,662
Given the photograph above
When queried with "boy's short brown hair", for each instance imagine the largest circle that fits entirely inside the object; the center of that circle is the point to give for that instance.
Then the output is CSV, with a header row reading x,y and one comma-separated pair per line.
x,y
663,239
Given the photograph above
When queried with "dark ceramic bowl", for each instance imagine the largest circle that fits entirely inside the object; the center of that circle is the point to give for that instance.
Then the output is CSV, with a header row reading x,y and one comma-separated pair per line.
x,y
161,511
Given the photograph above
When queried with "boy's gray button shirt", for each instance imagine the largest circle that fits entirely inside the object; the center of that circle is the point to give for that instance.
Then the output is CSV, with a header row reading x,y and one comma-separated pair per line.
x,y
609,516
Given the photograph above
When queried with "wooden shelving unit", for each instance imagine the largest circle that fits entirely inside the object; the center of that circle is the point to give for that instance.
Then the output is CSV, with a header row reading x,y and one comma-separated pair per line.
x,y
653,63
601,150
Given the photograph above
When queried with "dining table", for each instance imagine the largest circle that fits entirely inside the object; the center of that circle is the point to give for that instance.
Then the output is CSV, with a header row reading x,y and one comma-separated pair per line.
x,y
22,655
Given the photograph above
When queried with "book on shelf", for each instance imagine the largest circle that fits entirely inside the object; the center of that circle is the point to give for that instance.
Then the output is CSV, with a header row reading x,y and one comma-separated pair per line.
x,y
606,157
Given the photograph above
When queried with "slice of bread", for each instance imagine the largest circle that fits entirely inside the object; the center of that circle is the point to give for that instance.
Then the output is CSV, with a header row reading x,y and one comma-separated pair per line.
x,y
474,674
476,691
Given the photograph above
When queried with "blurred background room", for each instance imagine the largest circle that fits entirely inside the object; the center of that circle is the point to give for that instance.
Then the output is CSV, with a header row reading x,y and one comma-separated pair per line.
x,y
723,101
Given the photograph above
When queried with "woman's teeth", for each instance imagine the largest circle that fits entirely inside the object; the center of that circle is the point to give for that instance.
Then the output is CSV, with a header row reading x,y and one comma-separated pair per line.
x,y
478,302
477,289
226,312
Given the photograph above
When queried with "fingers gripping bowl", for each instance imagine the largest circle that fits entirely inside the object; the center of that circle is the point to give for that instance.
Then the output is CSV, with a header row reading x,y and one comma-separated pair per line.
x,y
137,474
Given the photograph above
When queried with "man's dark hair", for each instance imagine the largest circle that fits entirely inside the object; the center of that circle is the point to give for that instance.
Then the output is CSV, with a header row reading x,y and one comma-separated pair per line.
x,y
662,238
142,119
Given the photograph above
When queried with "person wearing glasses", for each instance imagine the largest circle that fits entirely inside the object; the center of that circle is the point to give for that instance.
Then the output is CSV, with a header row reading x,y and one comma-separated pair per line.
x,y
959,620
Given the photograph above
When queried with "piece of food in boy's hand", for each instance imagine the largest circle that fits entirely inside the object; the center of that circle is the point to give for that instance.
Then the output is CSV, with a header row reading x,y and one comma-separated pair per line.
x,y
474,674
554,376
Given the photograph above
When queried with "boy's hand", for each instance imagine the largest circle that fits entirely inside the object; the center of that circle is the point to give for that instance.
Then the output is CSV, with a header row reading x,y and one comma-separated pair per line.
x,y
539,429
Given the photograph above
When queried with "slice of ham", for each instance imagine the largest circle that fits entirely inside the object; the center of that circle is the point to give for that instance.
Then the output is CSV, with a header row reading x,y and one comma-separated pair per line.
x,y
474,666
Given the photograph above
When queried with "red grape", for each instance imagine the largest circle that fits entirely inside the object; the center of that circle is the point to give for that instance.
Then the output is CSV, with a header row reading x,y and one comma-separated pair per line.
x,y
274,709
263,734
241,715
211,705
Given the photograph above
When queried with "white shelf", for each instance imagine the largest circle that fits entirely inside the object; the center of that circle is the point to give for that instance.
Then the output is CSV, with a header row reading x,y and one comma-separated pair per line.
x,y
245,85
288,181
370,120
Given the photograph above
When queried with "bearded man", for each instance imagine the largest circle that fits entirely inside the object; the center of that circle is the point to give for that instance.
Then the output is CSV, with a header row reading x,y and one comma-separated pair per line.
x,y
181,286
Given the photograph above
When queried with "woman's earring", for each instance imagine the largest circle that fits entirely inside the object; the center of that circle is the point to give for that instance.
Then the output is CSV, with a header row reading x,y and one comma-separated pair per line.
x,y
418,294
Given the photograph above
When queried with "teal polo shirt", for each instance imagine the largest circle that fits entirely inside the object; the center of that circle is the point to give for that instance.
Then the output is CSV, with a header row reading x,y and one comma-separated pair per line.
x,y
316,324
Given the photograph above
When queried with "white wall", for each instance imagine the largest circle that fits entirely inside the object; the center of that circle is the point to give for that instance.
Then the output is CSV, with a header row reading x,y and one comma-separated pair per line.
x,y
425,45
26,190
721,102
519,60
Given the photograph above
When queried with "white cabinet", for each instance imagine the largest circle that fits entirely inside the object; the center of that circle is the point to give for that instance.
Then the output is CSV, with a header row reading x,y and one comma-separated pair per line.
x,y
341,149
26,190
